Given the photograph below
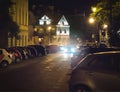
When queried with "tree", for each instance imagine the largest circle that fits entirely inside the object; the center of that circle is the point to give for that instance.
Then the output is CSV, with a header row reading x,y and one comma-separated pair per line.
x,y
108,12
7,25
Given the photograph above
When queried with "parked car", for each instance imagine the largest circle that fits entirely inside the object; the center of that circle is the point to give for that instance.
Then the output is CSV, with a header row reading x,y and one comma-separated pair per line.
x,y
40,50
97,72
22,52
5,58
32,51
15,53
52,48
83,52
69,49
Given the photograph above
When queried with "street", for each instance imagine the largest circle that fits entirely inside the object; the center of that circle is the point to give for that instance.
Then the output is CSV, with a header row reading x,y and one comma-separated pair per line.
x,y
42,74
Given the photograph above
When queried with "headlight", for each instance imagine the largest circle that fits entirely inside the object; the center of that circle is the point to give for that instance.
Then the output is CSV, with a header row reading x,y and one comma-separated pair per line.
x,y
65,50
72,49
77,47
61,48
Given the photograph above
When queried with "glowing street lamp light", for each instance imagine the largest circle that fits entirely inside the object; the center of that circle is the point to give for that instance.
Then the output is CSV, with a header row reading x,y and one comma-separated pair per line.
x,y
49,28
105,26
94,9
91,20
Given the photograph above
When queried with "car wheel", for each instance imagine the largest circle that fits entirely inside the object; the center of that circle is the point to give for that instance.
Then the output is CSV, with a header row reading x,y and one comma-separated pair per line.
x,y
81,89
4,64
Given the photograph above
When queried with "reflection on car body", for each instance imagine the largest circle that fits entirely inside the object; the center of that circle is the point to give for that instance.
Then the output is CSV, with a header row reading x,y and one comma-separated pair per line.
x,y
83,52
5,58
97,72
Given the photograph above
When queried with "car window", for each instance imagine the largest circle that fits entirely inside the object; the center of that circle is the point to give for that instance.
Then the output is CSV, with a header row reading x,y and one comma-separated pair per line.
x,y
103,62
84,62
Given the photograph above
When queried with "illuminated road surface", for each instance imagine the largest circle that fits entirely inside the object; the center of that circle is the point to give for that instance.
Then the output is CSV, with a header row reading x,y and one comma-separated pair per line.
x,y
42,74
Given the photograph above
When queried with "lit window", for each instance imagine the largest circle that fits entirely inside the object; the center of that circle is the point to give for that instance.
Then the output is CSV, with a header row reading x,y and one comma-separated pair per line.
x,y
47,22
41,22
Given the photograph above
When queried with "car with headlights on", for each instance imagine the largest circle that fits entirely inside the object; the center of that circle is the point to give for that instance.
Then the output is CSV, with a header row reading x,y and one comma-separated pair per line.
x,y
97,72
69,50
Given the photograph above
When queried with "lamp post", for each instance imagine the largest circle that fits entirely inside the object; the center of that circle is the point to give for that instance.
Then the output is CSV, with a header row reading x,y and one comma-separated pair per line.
x,y
105,33
92,21
49,29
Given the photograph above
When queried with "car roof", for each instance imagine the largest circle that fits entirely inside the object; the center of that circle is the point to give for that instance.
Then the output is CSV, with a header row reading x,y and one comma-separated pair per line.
x,y
106,52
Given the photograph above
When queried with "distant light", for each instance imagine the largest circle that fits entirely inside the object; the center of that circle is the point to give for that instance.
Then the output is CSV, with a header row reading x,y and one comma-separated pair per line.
x,y
49,28
41,22
105,26
94,9
35,29
48,22
91,20
40,39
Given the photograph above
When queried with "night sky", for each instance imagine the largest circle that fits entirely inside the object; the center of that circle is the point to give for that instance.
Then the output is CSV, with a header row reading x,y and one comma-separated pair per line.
x,y
67,5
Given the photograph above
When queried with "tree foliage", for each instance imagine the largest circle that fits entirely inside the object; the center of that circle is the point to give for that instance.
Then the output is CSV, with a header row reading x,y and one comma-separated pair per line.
x,y
108,11
6,22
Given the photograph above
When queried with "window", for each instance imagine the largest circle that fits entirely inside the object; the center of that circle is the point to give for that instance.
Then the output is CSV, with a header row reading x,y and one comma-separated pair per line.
x,y
60,31
103,62
64,31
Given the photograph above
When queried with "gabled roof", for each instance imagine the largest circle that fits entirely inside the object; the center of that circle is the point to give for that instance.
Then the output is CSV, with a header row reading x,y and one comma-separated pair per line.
x,y
63,21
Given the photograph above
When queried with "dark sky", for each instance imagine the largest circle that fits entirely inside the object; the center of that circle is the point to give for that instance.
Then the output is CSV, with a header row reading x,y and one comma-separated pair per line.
x,y
67,5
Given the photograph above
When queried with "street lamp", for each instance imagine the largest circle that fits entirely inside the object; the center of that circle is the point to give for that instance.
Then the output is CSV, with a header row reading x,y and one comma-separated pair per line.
x,y
91,20
105,26
104,33
94,9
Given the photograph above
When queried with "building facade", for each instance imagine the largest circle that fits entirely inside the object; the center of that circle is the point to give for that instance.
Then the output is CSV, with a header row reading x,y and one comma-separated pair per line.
x,y
20,16
50,34
30,33
63,32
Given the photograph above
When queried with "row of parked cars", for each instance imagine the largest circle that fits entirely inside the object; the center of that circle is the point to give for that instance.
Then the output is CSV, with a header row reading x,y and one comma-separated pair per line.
x,y
18,54
95,70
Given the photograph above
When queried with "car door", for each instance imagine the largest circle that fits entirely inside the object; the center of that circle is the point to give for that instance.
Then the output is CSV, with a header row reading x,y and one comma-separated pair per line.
x,y
102,73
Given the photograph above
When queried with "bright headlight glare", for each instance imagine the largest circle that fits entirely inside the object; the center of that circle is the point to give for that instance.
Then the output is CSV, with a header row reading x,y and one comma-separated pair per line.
x,y
65,50
72,49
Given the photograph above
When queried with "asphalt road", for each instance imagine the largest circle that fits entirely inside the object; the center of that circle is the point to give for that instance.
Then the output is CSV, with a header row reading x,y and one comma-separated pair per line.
x,y
41,74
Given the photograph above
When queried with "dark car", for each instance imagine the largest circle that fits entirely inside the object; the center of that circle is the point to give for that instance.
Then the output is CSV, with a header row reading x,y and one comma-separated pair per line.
x,y
52,48
82,53
40,50
98,72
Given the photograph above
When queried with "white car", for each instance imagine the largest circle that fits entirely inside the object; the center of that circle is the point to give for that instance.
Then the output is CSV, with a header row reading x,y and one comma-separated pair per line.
x,y
5,58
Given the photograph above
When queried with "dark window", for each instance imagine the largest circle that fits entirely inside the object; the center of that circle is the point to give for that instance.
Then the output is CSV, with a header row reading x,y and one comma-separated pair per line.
x,y
64,31
103,62
60,31
85,61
